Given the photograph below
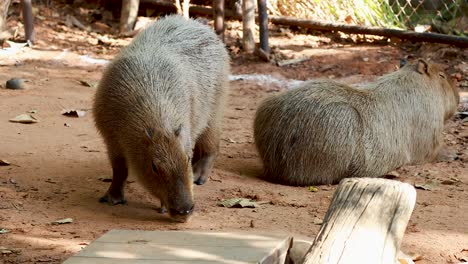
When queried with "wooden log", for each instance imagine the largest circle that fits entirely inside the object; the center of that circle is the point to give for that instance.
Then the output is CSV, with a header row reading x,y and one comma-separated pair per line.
x,y
365,223
129,15
386,32
351,29
248,25
263,25
218,8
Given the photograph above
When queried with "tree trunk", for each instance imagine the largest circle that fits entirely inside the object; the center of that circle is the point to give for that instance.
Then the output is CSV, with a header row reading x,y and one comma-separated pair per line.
x,y
4,4
248,25
365,223
129,15
186,8
179,7
218,8
263,24
28,21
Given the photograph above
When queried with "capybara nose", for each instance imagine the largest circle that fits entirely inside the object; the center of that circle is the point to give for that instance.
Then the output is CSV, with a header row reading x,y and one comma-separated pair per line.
x,y
180,212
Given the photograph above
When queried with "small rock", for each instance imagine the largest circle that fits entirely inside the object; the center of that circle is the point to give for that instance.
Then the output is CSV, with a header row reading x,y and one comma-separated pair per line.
x,y
15,84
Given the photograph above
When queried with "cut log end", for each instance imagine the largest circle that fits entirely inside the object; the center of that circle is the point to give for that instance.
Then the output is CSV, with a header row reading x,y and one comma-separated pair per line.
x,y
366,221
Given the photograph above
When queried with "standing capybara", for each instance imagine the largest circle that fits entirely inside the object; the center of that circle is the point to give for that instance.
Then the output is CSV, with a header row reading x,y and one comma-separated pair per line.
x,y
325,131
159,107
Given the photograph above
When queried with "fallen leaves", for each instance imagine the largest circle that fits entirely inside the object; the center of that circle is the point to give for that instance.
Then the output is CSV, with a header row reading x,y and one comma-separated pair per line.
x,y
62,221
238,202
91,84
7,251
24,119
312,189
4,162
430,185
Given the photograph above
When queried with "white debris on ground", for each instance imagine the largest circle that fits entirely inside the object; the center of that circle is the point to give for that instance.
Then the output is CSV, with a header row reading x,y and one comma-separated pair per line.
x,y
264,79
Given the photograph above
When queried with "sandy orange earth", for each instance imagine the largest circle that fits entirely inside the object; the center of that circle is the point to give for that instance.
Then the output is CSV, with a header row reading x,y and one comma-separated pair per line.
x,y
58,164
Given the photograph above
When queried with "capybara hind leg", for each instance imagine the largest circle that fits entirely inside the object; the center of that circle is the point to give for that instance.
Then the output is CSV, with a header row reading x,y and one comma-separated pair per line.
x,y
205,153
115,194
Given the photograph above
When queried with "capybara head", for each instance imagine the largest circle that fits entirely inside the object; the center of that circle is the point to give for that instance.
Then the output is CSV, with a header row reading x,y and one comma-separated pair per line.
x,y
435,77
164,166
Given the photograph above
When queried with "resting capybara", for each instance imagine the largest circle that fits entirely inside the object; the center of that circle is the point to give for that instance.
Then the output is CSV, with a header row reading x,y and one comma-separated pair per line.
x,y
159,106
325,131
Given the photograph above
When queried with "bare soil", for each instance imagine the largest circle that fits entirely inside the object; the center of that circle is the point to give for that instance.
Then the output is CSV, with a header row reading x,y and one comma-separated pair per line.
x,y
59,165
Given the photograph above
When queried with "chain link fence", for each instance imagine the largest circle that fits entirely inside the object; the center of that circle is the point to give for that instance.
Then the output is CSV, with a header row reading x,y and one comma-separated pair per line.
x,y
442,16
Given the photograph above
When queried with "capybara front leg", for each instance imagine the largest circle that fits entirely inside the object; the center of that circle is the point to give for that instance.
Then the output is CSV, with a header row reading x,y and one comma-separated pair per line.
x,y
115,194
205,153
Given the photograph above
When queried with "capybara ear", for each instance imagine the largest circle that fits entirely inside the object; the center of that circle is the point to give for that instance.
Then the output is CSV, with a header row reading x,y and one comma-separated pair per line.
x,y
178,130
422,67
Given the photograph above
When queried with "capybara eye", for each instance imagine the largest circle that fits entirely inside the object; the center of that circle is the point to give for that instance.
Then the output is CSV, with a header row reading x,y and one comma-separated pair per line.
x,y
442,75
155,169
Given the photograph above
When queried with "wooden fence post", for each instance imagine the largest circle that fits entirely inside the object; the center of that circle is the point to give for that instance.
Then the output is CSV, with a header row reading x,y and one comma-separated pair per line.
x,y
129,15
248,25
364,224
219,18
263,23
28,21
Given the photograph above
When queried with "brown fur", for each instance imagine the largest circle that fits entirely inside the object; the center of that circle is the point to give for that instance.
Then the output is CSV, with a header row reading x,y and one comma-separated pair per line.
x,y
158,101
325,131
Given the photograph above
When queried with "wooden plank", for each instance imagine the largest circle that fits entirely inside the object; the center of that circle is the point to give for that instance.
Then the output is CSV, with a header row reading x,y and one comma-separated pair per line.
x,y
129,246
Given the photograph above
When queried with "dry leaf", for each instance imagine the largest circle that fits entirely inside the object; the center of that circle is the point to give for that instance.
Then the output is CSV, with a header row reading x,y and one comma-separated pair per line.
x,y
24,119
429,185
238,202
73,113
62,221
4,162
6,251
317,221
312,189
450,181
392,175
89,83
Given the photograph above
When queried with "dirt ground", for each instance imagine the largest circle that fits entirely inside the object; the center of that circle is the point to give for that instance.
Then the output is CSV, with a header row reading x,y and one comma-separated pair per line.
x,y
59,165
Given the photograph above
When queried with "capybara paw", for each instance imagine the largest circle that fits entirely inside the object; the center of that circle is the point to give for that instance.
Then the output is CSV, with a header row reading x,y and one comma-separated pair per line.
x,y
112,200
200,181
162,210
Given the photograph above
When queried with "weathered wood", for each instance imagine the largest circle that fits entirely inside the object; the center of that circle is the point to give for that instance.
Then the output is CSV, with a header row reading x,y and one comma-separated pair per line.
x,y
194,9
365,223
4,4
290,21
218,8
248,25
129,15
386,32
28,21
179,7
183,11
263,25
186,8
